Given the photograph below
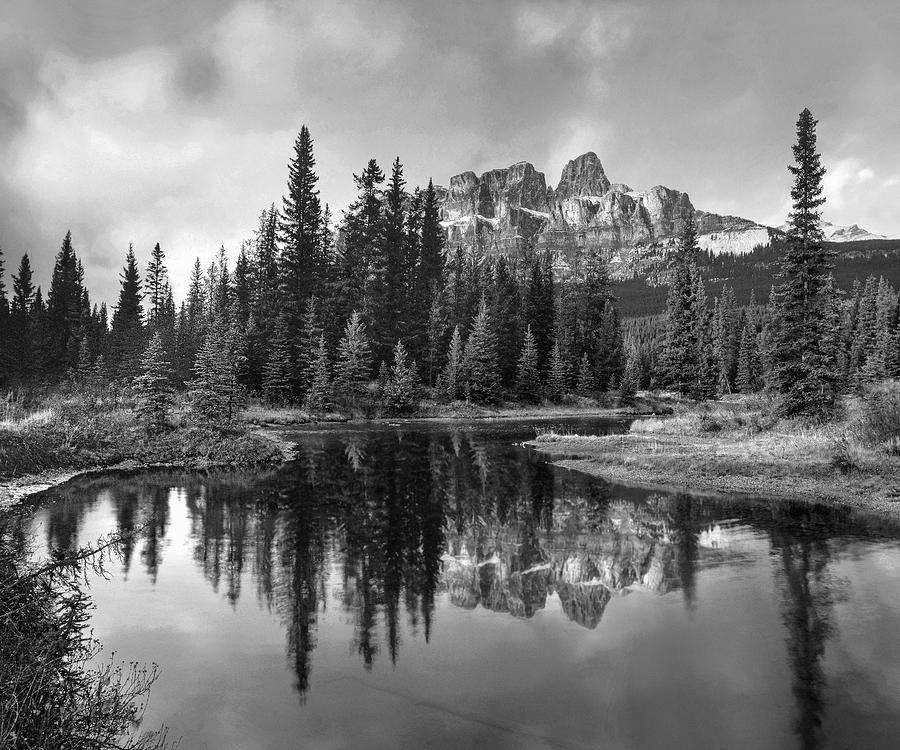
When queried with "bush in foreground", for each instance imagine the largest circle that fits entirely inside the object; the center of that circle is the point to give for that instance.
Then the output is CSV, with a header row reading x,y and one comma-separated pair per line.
x,y
50,695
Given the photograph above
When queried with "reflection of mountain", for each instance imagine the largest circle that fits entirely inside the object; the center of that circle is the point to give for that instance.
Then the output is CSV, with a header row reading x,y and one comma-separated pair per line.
x,y
514,568
379,523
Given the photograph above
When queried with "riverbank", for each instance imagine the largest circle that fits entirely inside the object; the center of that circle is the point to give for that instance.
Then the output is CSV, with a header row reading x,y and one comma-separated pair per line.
x,y
71,438
461,411
731,448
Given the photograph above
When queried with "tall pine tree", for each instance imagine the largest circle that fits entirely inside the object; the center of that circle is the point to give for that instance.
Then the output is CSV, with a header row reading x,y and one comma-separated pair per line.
x,y
803,369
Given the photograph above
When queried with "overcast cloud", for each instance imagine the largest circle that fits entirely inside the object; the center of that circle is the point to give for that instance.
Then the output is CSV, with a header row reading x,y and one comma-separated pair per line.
x,y
173,121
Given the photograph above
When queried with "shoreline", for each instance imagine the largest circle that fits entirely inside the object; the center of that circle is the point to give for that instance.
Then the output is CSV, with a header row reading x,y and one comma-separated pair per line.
x,y
298,418
14,490
690,464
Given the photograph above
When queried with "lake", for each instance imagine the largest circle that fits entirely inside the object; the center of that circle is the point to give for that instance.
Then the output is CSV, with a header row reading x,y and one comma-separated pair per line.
x,y
430,585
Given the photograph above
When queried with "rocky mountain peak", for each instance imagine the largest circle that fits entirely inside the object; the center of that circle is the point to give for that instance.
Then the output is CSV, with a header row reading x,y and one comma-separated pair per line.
x,y
583,175
511,210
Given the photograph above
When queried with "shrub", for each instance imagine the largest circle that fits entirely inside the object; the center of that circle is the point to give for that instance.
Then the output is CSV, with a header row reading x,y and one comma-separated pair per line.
x,y
879,420
50,694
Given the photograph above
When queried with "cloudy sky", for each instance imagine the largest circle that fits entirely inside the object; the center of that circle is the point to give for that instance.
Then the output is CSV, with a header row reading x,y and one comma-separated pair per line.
x,y
173,120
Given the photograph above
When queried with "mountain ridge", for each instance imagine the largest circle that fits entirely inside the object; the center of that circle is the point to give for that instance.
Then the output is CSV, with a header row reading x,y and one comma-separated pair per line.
x,y
513,209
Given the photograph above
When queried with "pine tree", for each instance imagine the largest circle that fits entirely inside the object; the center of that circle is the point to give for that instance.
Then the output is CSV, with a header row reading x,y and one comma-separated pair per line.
x,y
452,380
157,284
354,359
587,383
803,371
609,348
126,338
300,231
317,397
748,378
557,380
22,330
482,378
707,376
213,392
631,376
539,308
389,296
85,367
678,368
437,325
431,263
311,330
505,314
153,387
60,329
361,259
276,383
400,391
242,282
726,339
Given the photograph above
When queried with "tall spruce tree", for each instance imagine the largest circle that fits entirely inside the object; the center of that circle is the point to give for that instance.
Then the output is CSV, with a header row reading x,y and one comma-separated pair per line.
x,y
126,342
528,377
300,231
22,346
679,357
61,327
157,284
390,291
361,259
803,369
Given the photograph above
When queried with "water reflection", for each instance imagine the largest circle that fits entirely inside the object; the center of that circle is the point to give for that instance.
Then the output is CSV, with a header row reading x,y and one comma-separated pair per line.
x,y
382,523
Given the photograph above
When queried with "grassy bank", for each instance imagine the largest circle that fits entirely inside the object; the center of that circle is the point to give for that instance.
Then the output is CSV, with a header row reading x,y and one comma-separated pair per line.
x,y
739,447
69,433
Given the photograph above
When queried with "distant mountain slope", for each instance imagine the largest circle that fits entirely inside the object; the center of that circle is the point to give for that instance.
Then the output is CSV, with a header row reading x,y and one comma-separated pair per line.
x,y
755,271
835,233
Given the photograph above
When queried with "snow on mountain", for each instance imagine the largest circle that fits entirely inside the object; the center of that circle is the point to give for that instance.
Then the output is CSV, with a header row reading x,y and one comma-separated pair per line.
x,y
839,233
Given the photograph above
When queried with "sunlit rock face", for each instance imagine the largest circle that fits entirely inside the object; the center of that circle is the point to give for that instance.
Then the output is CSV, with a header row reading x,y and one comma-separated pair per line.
x,y
512,211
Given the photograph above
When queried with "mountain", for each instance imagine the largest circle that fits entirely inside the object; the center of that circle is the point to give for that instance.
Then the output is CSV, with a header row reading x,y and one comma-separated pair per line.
x,y
506,211
836,233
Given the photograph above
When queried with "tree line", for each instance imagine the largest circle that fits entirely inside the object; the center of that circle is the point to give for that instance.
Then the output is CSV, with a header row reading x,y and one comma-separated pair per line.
x,y
313,313
378,310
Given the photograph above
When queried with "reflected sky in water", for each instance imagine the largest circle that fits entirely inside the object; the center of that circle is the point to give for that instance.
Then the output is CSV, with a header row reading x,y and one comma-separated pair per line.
x,y
432,586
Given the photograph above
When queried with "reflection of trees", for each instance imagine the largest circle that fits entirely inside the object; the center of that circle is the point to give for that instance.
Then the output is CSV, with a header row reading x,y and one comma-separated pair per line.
x,y
382,523
807,600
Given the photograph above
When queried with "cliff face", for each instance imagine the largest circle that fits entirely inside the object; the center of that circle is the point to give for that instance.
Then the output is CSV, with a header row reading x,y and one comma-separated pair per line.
x,y
507,211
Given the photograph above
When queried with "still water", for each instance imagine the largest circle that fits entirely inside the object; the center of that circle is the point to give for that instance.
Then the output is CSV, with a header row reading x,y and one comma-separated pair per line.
x,y
433,586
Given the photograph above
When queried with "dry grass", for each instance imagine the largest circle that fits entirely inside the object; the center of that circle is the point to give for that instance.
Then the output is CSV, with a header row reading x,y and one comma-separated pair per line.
x,y
738,446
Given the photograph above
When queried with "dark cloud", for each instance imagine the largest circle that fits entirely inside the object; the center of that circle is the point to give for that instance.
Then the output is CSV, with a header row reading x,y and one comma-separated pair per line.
x,y
198,76
171,121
